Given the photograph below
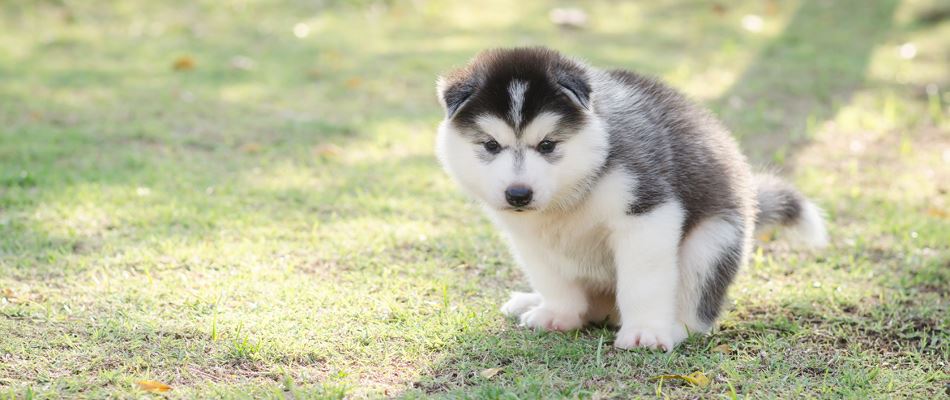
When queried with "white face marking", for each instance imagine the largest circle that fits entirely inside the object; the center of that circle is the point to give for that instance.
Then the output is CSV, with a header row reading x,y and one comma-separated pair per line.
x,y
516,91
539,127
497,128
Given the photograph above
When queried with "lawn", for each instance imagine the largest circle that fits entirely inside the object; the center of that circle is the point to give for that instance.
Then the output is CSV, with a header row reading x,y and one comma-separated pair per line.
x,y
240,199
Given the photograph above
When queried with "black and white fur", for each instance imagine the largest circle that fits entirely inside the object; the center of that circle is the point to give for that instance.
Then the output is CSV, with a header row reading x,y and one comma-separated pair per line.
x,y
621,199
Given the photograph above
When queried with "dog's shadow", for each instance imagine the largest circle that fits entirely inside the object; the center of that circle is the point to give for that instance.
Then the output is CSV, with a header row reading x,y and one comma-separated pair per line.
x,y
511,359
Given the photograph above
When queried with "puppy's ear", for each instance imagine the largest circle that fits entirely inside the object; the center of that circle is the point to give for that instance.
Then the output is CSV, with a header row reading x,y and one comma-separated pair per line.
x,y
453,94
573,83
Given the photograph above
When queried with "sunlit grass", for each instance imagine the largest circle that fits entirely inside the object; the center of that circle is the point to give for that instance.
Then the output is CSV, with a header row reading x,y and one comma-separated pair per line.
x,y
272,222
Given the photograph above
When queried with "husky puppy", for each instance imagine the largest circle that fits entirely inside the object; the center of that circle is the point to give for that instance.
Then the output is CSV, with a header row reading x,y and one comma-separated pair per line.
x,y
621,199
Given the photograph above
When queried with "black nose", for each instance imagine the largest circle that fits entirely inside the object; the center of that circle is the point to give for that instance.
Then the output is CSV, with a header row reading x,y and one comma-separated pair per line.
x,y
518,195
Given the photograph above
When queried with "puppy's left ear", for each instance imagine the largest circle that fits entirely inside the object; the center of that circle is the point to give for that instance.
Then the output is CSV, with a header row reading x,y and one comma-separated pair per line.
x,y
573,83
453,94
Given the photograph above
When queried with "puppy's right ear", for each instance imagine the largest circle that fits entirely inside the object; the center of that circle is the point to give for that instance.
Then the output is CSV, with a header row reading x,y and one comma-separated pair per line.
x,y
453,94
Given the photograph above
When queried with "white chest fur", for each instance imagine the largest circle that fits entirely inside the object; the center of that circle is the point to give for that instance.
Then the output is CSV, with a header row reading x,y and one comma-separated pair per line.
x,y
574,243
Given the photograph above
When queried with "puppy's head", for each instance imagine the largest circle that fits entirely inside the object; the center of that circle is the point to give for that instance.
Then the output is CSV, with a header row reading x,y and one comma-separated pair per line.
x,y
519,132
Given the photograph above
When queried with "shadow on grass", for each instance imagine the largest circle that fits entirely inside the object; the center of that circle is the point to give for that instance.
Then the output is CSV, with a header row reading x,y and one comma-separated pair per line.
x,y
185,212
804,76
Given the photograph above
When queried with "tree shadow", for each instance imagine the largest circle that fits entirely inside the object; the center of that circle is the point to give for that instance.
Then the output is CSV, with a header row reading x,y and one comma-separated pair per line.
x,y
801,78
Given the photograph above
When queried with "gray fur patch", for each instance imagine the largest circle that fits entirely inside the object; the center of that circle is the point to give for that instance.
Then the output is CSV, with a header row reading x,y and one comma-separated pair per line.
x,y
486,157
519,159
673,147
553,157
778,202
715,288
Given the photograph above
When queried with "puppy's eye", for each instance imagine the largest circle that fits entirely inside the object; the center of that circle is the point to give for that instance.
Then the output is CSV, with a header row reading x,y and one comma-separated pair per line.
x,y
492,146
546,146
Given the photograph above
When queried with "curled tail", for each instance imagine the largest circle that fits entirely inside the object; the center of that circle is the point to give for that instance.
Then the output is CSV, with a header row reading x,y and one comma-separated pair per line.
x,y
781,205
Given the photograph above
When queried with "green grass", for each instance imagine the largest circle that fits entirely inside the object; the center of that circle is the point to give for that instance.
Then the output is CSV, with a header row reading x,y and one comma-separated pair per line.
x,y
280,228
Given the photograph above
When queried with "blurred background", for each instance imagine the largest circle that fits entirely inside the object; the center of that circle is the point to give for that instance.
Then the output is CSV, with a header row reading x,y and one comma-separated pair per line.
x,y
242,194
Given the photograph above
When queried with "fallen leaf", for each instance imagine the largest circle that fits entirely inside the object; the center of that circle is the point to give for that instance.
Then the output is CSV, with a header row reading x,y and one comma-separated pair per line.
x,y
723,348
327,150
184,63
153,386
353,82
8,294
719,9
697,378
251,148
936,212
490,372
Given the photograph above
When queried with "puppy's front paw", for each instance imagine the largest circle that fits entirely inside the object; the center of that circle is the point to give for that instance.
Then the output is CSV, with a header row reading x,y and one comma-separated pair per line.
x,y
649,338
542,317
519,303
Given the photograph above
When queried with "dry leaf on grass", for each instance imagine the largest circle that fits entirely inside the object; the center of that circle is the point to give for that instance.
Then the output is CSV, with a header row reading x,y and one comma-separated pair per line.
x,y
719,9
936,212
184,63
9,296
326,150
153,386
251,148
490,372
723,348
314,73
697,378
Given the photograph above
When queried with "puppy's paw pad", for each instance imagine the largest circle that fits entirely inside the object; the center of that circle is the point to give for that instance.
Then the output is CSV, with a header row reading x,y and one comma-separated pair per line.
x,y
519,303
647,338
542,317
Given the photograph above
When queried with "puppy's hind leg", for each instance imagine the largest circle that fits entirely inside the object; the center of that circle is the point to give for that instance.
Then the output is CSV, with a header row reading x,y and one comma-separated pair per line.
x,y
710,257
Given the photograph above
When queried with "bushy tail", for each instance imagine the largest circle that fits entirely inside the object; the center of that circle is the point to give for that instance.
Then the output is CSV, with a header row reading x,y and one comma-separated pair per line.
x,y
781,205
